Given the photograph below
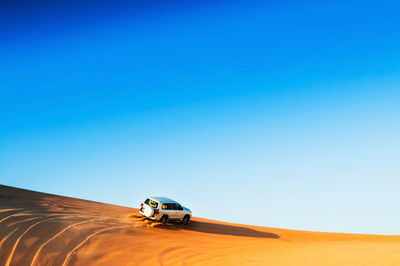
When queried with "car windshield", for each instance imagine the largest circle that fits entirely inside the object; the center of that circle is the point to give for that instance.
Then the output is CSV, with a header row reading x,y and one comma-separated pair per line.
x,y
151,203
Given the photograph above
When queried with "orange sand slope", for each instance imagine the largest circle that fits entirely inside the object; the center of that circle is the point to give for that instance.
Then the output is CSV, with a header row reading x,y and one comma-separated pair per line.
x,y
44,229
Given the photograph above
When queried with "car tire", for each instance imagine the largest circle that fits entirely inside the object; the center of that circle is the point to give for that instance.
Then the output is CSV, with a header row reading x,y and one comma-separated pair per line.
x,y
163,220
185,220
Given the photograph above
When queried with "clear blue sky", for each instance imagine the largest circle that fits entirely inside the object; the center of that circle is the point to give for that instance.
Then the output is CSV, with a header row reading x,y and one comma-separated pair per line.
x,y
274,113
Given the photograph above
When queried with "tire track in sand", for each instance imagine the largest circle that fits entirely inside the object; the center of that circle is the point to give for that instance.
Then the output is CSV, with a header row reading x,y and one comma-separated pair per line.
x,y
67,258
5,238
19,239
41,216
15,214
9,210
24,221
59,233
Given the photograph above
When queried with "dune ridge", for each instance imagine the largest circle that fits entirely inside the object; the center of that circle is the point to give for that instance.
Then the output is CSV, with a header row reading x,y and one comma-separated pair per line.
x,y
43,229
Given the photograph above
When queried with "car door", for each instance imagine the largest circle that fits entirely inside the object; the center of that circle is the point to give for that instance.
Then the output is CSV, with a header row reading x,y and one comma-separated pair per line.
x,y
169,210
166,209
173,211
178,211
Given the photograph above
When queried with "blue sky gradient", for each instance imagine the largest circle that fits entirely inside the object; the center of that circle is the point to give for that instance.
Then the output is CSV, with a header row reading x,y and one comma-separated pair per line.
x,y
273,113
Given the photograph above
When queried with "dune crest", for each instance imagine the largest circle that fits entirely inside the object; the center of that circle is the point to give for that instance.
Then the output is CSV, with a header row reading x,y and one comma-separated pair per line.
x,y
44,229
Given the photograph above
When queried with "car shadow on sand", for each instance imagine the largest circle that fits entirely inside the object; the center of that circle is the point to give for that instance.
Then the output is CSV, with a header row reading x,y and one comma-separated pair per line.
x,y
219,229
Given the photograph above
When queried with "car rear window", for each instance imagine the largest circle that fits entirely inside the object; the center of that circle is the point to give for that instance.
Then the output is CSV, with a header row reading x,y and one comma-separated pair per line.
x,y
151,203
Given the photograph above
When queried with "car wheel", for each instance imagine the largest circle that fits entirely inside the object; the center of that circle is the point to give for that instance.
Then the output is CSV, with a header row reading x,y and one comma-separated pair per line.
x,y
163,220
185,220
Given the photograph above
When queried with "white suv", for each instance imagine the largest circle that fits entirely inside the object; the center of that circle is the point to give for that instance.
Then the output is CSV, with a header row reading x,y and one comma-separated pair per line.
x,y
164,209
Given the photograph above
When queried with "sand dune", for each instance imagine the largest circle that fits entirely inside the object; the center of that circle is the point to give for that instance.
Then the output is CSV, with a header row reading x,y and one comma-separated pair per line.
x,y
44,229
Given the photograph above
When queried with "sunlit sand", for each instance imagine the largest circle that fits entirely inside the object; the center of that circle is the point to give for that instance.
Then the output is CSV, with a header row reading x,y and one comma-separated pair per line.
x,y
44,229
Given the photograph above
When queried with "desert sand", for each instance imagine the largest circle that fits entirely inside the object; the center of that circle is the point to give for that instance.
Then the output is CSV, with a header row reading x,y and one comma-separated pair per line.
x,y
44,229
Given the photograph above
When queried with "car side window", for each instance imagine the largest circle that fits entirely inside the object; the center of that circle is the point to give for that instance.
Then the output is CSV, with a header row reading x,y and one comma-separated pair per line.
x,y
167,206
178,207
